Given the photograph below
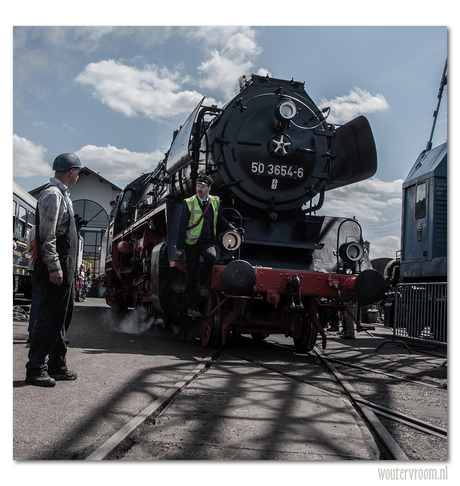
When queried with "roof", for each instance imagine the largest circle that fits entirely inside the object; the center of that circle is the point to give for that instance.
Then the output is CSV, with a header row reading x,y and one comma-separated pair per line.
x,y
88,171
102,179
24,195
431,162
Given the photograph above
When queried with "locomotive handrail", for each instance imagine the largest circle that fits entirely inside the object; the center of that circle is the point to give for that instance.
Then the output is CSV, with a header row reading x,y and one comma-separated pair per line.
x,y
205,110
317,206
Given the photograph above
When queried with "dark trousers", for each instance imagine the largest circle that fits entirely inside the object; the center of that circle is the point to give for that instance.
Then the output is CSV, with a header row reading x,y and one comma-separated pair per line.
x,y
53,319
195,272
34,304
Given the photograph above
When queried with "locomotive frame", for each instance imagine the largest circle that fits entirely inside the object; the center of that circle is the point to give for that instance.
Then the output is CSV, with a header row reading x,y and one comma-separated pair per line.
x,y
270,151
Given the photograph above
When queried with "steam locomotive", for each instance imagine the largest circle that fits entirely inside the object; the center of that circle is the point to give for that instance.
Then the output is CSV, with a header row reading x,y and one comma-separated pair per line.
x,y
272,156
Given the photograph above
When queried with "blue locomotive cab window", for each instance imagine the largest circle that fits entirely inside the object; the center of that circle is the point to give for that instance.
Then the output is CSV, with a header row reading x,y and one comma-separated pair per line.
x,y
420,201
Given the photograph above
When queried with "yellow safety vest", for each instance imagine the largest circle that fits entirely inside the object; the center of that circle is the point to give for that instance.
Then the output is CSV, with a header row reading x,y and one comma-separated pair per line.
x,y
194,207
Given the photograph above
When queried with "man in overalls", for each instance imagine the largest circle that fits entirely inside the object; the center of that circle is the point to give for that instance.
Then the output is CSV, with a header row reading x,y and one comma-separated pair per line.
x,y
197,236
55,266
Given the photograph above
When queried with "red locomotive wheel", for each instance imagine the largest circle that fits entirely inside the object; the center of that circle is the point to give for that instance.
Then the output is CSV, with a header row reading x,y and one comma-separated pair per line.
x,y
211,327
307,339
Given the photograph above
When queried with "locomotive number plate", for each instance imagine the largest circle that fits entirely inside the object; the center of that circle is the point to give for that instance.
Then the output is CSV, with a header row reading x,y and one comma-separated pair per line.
x,y
277,170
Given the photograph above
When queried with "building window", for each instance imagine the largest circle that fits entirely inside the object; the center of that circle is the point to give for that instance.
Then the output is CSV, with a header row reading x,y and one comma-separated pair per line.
x,y
420,201
92,249
92,232
92,212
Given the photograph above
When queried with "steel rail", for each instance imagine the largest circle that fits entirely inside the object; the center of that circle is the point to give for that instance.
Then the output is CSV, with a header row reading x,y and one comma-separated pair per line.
x,y
393,447
411,380
406,419
415,382
153,409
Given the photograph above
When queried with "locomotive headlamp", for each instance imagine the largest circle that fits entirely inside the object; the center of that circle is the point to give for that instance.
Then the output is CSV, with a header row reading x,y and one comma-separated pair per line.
x,y
286,110
231,240
351,252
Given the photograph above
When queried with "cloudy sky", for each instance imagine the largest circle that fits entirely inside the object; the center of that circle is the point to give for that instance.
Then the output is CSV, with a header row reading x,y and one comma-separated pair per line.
x,y
114,96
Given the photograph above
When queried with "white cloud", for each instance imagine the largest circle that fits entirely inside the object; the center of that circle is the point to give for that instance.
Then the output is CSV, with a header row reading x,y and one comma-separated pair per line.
x,y
236,56
41,125
358,102
376,186
29,159
151,91
118,165
368,200
217,36
222,73
157,92
240,47
385,247
88,39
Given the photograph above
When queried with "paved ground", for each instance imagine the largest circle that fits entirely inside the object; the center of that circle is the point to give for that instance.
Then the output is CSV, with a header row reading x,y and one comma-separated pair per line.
x,y
233,411
119,374
239,411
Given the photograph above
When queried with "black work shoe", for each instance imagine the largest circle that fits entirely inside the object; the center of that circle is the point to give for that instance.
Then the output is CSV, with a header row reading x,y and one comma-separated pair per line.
x,y
202,290
43,379
64,375
193,313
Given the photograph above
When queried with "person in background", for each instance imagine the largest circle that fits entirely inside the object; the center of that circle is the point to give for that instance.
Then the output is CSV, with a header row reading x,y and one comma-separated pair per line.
x,y
348,327
84,289
79,284
35,287
113,205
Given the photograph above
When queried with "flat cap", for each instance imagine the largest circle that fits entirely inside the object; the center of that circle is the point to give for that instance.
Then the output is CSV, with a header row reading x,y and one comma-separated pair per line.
x,y
204,179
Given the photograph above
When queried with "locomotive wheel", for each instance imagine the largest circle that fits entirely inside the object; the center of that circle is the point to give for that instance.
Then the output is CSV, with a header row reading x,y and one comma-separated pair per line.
x,y
307,339
211,328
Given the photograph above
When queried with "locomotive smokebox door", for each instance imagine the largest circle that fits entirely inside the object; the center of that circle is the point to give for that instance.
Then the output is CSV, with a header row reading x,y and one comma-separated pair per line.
x,y
271,145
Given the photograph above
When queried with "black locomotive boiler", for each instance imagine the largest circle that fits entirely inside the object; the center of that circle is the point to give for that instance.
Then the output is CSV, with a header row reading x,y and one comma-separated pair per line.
x,y
272,156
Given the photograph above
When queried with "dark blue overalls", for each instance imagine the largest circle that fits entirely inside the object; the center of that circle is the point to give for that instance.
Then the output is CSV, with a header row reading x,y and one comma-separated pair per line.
x,y
56,305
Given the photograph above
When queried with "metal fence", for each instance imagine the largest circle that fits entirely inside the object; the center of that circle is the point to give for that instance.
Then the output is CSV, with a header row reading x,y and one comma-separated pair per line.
x,y
421,311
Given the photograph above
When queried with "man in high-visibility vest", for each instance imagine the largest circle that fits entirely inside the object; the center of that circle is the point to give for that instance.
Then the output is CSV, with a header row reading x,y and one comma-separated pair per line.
x,y
200,217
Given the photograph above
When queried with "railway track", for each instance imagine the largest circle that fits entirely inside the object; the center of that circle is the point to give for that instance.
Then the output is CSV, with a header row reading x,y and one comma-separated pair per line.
x,y
407,392
379,418
151,411
370,410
